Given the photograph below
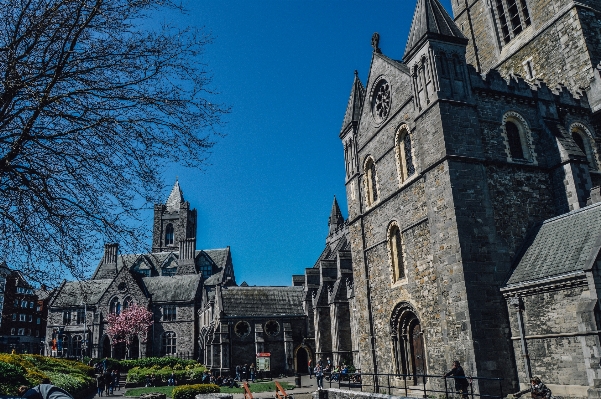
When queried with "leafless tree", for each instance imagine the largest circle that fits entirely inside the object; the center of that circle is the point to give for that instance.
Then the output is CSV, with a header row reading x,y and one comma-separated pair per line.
x,y
94,101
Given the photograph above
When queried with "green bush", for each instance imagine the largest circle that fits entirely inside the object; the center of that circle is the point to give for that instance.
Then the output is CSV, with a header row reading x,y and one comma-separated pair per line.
x,y
190,391
159,362
71,383
12,377
138,374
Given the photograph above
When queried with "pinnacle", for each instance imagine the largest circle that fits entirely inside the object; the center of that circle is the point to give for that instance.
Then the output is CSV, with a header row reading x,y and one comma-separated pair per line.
x,y
336,219
175,198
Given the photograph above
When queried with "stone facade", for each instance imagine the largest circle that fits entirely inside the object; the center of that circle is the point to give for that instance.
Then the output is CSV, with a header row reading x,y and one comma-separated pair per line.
x,y
169,282
329,297
447,172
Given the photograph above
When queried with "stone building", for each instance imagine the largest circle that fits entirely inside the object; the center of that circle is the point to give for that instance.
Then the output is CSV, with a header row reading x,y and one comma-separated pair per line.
x,y
236,323
553,303
448,169
169,282
329,297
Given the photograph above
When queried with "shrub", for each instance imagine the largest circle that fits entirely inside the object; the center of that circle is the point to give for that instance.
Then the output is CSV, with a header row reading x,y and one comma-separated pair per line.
x,y
138,374
161,362
12,377
190,391
69,382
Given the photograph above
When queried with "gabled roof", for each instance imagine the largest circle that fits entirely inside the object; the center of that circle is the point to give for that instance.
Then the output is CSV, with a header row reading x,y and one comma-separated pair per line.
x,y
72,293
559,246
182,288
175,198
263,301
355,102
431,20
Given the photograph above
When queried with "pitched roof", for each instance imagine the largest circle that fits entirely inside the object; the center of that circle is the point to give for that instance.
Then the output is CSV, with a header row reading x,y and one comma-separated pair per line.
x,y
562,245
433,21
72,293
172,288
263,301
219,256
355,102
175,198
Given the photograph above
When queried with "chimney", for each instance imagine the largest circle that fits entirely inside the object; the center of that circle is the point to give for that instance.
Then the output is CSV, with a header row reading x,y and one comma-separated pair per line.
x,y
110,254
187,252
595,196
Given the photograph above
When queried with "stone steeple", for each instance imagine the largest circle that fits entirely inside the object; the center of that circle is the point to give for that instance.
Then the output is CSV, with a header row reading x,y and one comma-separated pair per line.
x,y
431,21
175,198
336,220
355,103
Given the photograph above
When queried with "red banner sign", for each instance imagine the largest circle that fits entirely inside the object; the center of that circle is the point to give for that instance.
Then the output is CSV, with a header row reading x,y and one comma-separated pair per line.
x,y
263,354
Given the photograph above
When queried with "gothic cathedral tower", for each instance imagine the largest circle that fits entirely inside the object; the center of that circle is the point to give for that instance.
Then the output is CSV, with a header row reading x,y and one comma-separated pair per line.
x,y
174,221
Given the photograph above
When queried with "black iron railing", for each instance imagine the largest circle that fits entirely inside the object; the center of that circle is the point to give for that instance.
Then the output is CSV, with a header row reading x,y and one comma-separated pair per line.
x,y
417,385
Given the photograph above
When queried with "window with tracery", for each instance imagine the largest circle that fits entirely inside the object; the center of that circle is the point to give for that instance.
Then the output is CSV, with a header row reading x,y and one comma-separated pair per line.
x,y
169,343
169,234
512,18
370,182
127,302
242,329
381,101
76,346
115,307
396,253
272,327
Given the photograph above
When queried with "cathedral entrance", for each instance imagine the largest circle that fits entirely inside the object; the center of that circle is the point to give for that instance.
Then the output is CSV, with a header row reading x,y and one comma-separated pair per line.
x,y
134,348
408,343
106,347
302,360
119,351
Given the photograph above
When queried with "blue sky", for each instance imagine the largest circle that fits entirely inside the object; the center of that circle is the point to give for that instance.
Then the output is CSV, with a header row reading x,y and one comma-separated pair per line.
x,y
286,68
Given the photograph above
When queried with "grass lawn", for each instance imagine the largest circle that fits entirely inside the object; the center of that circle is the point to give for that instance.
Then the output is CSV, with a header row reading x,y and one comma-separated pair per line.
x,y
254,387
143,390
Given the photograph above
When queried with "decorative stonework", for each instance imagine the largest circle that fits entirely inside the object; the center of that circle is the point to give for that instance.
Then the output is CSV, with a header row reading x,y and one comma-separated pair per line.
x,y
381,101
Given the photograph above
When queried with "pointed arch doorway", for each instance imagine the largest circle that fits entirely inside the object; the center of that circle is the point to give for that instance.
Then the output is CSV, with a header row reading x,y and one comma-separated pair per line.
x,y
408,342
106,347
302,357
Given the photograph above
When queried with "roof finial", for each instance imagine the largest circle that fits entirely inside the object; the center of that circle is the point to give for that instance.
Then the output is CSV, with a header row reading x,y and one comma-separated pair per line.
x,y
375,42
356,73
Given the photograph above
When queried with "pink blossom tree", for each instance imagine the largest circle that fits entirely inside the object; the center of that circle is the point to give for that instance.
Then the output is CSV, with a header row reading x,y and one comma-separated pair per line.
x,y
130,323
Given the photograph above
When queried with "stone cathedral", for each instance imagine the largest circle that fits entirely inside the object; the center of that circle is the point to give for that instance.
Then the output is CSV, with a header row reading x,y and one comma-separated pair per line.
x,y
472,174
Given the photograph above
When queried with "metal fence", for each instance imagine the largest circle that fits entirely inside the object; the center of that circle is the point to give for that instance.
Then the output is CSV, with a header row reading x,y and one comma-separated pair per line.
x,y
417,385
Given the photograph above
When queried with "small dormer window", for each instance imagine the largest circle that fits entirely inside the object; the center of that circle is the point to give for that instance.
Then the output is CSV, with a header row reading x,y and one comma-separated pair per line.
x,y
169,234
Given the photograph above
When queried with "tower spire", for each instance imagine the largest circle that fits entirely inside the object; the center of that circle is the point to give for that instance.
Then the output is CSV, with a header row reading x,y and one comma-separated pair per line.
x,y
432,21
336,220
355,102
175,198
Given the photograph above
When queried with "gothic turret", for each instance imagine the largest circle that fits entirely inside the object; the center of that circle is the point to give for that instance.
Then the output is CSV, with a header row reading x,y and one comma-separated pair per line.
x,y
336,220
435,55
174,221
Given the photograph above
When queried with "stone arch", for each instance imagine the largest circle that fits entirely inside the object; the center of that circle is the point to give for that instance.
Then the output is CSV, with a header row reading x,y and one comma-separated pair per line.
x,y
105,347
408,344
302,356
590,149
523,134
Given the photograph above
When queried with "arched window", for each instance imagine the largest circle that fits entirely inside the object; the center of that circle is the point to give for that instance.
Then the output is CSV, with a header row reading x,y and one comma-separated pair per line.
x,y
396,252
127,302
169,343
518,140
404,154
169,234
371,189
442,62
115,307
514,140
582,138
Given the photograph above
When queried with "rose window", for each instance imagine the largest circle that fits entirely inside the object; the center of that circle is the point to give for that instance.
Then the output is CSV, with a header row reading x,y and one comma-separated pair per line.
x,y
381,101
272,327
242,329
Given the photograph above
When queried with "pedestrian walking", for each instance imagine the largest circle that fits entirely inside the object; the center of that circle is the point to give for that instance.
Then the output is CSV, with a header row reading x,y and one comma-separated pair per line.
x,y
310,369
252,372
100,384
319,376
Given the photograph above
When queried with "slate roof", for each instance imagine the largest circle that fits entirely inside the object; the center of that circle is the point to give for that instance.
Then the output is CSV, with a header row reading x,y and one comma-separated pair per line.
x,y
219,256
432,20
72,293
562,245
179,288
263,301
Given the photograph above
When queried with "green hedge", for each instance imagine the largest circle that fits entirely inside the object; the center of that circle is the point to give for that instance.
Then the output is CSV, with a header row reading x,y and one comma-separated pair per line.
x,y
30,370
138,374
190,391
157,362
